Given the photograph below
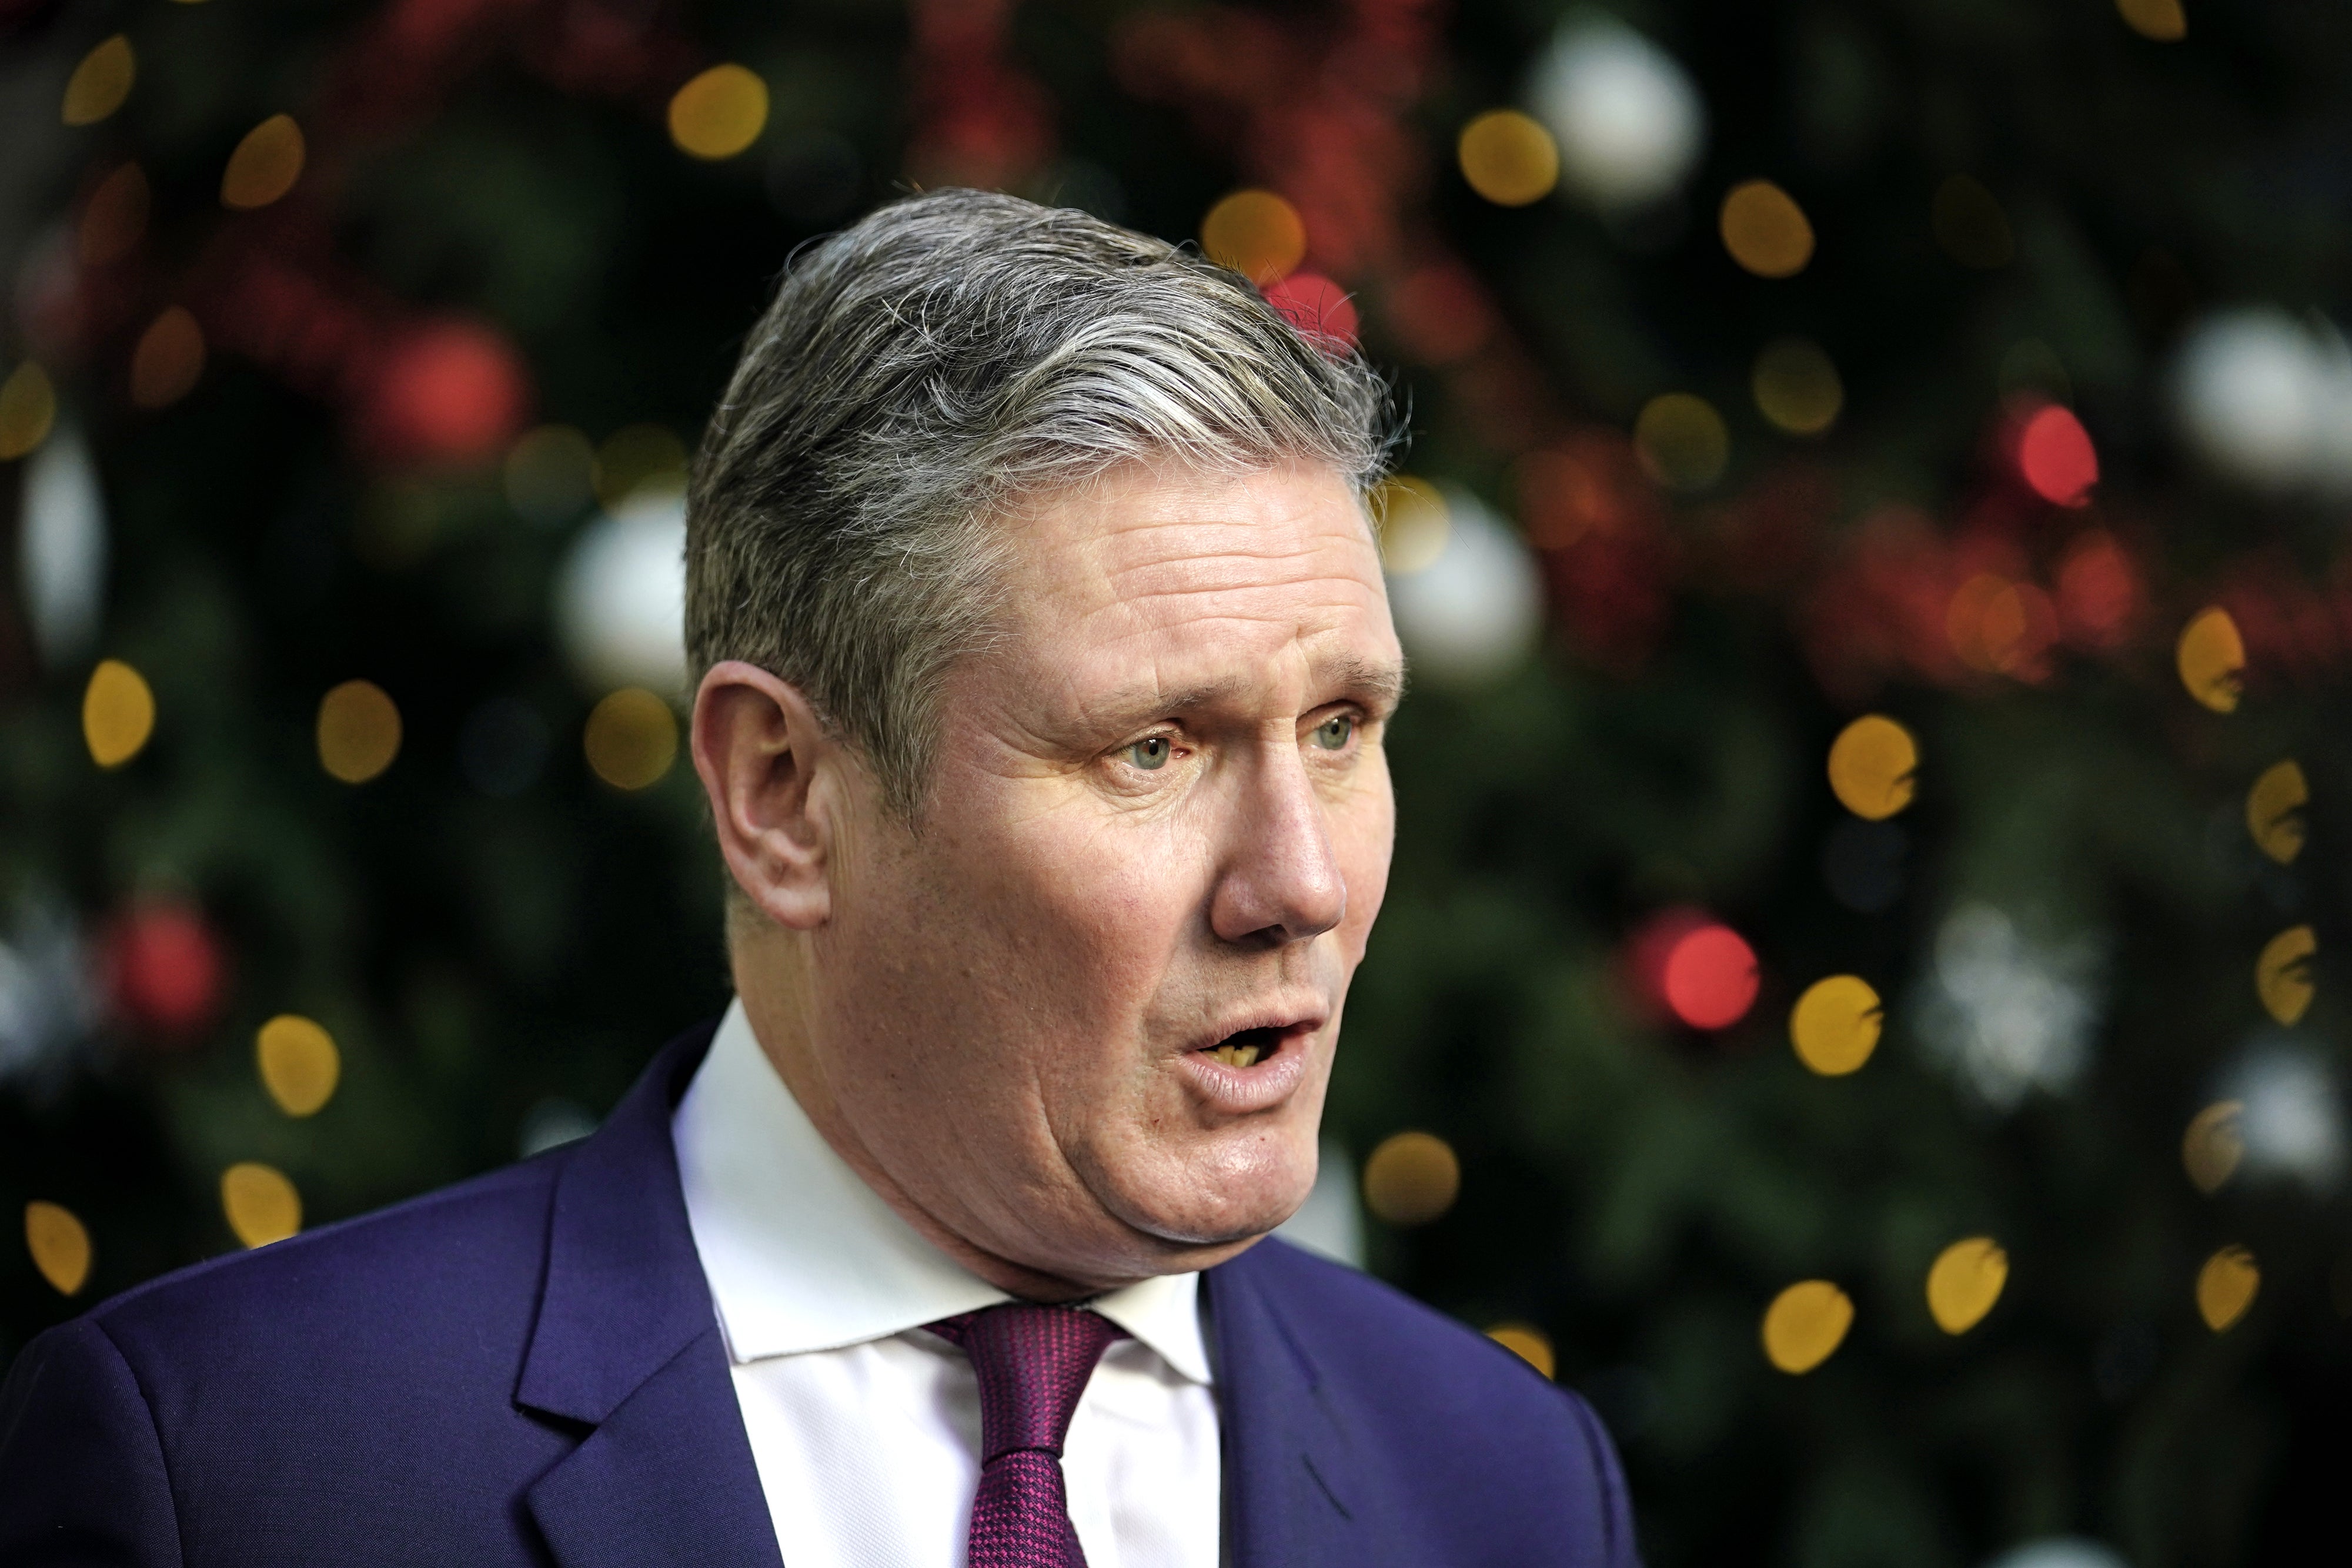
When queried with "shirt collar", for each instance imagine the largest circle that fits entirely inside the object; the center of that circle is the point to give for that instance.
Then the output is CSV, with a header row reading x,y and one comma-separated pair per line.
x,y
802,1255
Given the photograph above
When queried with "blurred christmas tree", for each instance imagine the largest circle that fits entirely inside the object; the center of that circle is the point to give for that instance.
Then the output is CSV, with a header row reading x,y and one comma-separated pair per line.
x,y
1921,1135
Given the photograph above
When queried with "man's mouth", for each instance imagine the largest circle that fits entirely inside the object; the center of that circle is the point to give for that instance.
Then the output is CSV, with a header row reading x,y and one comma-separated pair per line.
x,y
1249,1047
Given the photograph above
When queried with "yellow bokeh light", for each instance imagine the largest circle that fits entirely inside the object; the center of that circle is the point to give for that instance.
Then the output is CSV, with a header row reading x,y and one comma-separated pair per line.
x,y
719,113
2226,1287
1413,522
1508,158
2211,658
2162,20
1874,767
265,165
631,739
1681,440
2274,811
261,1205
1970,224
551,474
1255,233
1765,230
100,83
638,457
118,713
114,218
2282,976
299,1063
1411,1178
2214,1144
1796,387
169,360
358,731
1835,1025
1527,1342
60,1244
1805,1324
1964,1281
28,407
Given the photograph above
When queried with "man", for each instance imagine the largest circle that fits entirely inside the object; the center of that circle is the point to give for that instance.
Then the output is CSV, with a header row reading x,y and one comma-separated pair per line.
x,y
1046,667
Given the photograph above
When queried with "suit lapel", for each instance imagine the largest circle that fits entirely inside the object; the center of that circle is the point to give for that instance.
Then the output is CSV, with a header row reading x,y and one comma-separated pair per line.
x,y
1291,1480
627,1344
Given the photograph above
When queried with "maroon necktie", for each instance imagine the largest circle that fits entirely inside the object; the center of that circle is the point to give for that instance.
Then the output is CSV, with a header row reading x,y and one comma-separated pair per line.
x,y
1032,1363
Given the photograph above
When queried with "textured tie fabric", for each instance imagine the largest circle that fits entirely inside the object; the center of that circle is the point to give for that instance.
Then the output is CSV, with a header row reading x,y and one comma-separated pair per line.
x,y
1032,1363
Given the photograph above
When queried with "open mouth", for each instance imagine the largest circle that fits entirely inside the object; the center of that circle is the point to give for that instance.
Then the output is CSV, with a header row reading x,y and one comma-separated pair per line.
x,y
1247,1048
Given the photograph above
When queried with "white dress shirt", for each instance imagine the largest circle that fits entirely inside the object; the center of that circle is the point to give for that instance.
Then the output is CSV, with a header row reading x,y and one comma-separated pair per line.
x,y
866,1428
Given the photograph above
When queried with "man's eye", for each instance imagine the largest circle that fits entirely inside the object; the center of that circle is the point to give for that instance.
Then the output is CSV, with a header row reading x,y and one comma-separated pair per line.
x,y
1150,754
1333,734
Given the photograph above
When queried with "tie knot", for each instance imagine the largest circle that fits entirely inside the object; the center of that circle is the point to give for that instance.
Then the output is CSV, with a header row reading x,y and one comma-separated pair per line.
x,y
1032,1363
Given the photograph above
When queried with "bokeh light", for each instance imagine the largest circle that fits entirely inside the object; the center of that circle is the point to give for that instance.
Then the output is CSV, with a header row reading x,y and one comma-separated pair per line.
x,y
2226,1287
118,713
1412,523
265,165
1797,387
1317,307
260,1205
620,596
358,731
2056,458
2162,20
2274,811
1874,767
2265,397
2214,1144
1411,1178
1508,158
1682,442
114,218
2283,974
638,457
631,738
1765,230
1528,1343
169,360
1964,1281
100,83
1805,1324
1835,1025
164,969
2001,627
1710,978
299,1063
720,113
60,1244
1970,224
448,390
2211,659
1631,123
551,475
28,408
1255,233
2292,1124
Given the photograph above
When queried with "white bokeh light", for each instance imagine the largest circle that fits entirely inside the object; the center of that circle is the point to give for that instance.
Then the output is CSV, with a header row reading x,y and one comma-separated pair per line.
x,y
2267,399
2059,1552
2293,1123
620,597
1472,613
2008,1013
61,550
1630,124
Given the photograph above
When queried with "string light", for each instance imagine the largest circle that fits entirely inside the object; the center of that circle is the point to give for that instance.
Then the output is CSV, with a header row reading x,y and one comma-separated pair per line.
x,y
1874,767
1710,978
1805,1324
1765,230
114,218
1964,1282
28,409
720,113
1681,440
1528,1343
118,713
2162,20
100,83
299,1063
2055,458
260,1203
2214,1144
2274,811
1970,224
1835,1025
631,738
265,165
1411,1178
2282,976
358,731
1508,158
169,360
2211,659
60,1244
2226,1287
1797,387
1255,233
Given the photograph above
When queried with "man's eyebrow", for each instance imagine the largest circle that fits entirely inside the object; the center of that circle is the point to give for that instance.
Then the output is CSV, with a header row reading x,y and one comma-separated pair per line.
x,y
1378,685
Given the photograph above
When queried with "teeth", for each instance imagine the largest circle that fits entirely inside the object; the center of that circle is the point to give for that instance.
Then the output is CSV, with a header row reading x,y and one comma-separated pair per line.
x,y
1236,1055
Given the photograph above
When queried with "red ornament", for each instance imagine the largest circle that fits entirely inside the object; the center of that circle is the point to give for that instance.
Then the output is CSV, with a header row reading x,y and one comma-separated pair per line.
x,y
448,392
165,968
2056,458
1317,307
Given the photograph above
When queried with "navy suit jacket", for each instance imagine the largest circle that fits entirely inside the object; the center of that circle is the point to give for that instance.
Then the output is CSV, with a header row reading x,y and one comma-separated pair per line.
x,y
526,1369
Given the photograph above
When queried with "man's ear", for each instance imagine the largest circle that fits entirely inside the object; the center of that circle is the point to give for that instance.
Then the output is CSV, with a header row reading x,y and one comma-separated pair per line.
x,y
773,778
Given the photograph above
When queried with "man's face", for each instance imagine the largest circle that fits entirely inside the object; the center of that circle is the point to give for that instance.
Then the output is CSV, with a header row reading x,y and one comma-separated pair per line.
x,y
1082,1015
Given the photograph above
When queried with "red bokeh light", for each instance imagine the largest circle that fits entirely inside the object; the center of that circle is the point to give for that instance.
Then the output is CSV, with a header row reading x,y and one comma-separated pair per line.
x,y
450,392
1315,304
165,968
2056,458
1710,978
2098,592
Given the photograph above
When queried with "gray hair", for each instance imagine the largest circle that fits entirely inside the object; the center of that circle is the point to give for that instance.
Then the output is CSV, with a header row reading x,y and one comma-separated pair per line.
x,y
935,364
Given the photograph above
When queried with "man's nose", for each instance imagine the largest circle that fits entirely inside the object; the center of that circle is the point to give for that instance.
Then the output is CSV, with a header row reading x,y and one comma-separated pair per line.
x,y
1280,882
